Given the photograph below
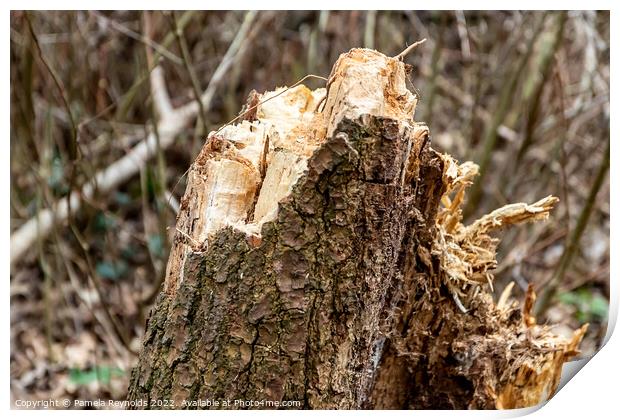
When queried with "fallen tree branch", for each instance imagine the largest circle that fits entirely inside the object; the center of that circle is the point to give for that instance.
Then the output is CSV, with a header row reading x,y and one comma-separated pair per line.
x,y
159,93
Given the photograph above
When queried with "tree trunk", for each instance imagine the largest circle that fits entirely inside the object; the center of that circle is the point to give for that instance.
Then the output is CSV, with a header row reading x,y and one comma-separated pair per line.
x,y
320,258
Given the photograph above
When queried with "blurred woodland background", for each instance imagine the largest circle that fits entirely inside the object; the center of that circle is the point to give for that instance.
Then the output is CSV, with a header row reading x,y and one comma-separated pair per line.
x,y
523,94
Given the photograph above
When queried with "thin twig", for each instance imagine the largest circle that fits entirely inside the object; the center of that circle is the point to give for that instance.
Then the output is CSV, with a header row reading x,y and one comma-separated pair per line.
x,y
161,49
187,62
120,332
572,244
410,48
61,90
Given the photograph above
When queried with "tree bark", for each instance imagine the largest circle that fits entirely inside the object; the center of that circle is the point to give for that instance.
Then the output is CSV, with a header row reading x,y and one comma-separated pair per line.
x,y
320,258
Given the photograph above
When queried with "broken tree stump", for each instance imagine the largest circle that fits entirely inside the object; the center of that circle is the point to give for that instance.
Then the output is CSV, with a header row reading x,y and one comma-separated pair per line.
x,y
320,257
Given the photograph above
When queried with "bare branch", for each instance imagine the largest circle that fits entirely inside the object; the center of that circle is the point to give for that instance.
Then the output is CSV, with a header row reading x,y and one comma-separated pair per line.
x,y
410,48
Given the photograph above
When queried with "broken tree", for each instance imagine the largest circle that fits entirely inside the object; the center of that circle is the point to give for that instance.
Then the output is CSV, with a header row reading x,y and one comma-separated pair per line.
x,y
320,257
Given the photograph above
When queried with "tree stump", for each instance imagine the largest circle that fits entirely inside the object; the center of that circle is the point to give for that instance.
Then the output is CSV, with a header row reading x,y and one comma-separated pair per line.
x,y
320,258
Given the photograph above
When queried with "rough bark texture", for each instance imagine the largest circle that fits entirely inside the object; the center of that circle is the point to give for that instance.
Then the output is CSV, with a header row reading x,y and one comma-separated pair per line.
x,y
360,288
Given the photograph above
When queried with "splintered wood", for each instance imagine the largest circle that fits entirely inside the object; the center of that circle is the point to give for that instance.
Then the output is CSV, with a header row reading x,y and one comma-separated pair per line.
x,y
251,166
320,256
246,169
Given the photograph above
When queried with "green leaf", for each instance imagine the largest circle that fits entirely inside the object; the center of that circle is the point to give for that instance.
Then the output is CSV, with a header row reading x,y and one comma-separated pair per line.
x,y
599,307
156,245
100,374
129,251
588,306
103,222
568,298
122,199
112,270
